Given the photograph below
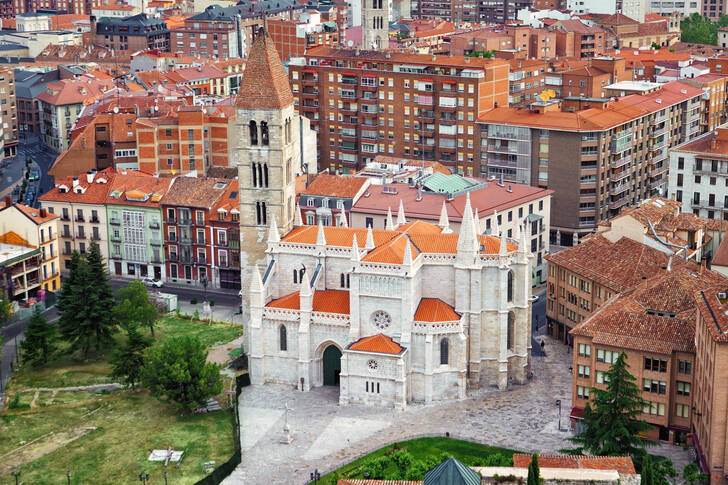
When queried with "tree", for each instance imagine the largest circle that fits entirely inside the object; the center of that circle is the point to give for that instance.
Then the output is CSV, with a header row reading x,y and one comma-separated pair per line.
x,y
128,361
178,371
534,474
612,426
133,306
100,278
40,340
692,474
85,306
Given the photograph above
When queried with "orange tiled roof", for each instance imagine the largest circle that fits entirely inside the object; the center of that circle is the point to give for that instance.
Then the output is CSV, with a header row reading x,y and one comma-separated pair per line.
x,y
419,227
392,252
90,193
435,310
721,254
378,343
265,83
15,239
35,214
137,189
622,464
74,91
334,185
195,192
326,301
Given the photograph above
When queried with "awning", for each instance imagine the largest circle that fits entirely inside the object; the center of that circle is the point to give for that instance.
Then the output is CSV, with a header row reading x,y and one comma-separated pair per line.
x,y
449,81
349,74
576,413
369,75
426,80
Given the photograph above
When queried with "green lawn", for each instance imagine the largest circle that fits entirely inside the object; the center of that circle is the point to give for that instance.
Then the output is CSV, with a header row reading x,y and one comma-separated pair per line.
x,y
421,448
128,423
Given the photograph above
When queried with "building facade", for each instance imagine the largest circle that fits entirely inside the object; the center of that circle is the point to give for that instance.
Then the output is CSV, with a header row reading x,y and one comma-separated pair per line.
x,y
9,111
134,33
382,314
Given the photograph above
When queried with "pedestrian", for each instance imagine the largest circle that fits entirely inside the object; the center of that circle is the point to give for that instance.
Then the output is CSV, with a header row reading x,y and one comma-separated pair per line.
x,y
543,344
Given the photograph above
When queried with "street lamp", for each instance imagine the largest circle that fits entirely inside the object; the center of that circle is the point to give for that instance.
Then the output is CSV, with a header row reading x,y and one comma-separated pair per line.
x,y
144,477
68,477
16,474
315,476
558,403
204,285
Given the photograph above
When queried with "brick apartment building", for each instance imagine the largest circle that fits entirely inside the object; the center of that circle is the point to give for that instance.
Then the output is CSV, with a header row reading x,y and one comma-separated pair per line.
x,y
292,38
224,223
486,12
28,85
575,38
596,160
8,111
409,105
134,33
589,80
508,41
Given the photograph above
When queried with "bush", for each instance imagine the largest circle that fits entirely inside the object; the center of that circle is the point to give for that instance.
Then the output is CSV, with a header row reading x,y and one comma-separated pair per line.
x,y
193,301
197,315
212,302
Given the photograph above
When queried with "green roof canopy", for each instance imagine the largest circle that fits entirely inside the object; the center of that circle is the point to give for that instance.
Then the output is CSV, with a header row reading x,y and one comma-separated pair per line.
x,y
452,472
439,182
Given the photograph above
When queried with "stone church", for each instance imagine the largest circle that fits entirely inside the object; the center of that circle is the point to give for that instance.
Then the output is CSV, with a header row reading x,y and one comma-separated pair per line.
x,y
413,313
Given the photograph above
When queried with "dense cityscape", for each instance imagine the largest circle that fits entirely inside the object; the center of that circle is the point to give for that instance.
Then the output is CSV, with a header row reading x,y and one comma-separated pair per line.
x,y
355,242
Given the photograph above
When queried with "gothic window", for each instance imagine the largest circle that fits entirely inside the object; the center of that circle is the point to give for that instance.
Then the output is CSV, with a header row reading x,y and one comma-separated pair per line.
x,y
282,337
264,132
295,276
444,352
260,174
510,286
301,272
260,212
511,329
288,130
255,174
253,133
265,175
381,319
343,279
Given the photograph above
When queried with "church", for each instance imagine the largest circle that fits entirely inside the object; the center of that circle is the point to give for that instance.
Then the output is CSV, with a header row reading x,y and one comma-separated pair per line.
x,y
413,313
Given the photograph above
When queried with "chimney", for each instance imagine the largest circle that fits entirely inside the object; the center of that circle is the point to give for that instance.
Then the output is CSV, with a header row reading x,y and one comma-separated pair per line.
x,y
669,263
75,182
8,201
90,176
43,213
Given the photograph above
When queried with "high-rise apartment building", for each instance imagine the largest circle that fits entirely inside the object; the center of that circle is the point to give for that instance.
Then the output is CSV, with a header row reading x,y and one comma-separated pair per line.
x,y
596,160
8,111
364,103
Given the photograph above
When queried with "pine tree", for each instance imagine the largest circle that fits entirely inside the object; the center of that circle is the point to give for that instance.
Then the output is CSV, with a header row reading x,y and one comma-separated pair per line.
x,y
612,427
534,474
40,340
85,305
128,361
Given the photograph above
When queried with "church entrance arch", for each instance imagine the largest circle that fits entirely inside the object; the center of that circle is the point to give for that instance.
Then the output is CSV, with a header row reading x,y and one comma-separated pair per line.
x,y
331,365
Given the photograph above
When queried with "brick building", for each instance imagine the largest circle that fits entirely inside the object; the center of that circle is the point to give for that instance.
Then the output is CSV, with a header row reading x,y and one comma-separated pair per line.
x,y
224,224
8,111
364,103
293,38
328,199
596,160
28,85
134,33
508,41
576,38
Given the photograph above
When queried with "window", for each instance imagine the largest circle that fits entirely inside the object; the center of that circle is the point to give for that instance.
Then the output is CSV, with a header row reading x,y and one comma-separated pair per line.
x,y
607,356
510,286
684,367
582,392
444,352
344,280
682,410
655,408
602,377
656,365
264,132
261,214
283,341
584,350
511,330
584,371
653,386
680,163
253,132
683,388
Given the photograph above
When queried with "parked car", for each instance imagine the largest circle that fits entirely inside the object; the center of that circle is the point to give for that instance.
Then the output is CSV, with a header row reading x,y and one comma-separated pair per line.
x,y
152,282
34,175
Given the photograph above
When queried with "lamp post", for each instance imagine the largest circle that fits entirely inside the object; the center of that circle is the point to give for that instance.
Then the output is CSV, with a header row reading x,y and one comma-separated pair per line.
x,y
68,477
144,477
315,476
16,474
558,403
165,478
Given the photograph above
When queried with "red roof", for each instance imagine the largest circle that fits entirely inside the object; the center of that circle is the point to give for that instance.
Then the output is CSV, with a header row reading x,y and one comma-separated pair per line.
x,y
326,301
622,464
378,343
721,254
265,83
334,186
435,310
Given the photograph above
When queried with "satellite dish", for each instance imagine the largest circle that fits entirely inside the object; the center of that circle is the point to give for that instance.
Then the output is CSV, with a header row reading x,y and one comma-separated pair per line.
x,y
116,109
350,43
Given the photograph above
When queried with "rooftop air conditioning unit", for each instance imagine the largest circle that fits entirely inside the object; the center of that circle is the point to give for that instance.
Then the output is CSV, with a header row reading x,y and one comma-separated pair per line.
x,y
721,296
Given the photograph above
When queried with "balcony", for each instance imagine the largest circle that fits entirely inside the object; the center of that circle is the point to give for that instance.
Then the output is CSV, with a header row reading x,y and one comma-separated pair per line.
x,y
621,162
65,217
155,242
95,237
173,257
185,222
154,225
94,220
201,260
656,184
81,235
619,203
156,260
115,238
186,259
115,221
185,239
116,256
621,175
657,171
67,234
171,237
619,188
171,220
80,219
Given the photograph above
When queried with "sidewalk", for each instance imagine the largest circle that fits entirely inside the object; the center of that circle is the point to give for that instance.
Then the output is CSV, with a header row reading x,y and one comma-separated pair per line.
x,y
220,313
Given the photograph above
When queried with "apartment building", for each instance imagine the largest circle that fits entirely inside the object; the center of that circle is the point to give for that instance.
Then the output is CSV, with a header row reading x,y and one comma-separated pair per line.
x,y
655,325
28,85
364,103
597,160
39,229
715,98
329,198
576,38
60,105
79,201
224,224
293,38
516,40
187,209
628,33
8,111
485,12
589,81
134,33
699,175
188,141
526,80
134,218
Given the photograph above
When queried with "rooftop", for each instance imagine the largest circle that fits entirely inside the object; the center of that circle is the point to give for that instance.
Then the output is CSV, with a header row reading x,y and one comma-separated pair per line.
x,y
335,186
265,84
622,464
195,192
378,343
713,144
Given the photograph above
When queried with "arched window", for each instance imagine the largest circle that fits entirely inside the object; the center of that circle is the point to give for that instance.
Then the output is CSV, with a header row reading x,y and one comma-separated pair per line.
x,y
260,212
511,330
265,175
510,286
295,276
260,174
258,217
282,337
343,280
264,132
264,213
301,272
255,174
253,133
444,352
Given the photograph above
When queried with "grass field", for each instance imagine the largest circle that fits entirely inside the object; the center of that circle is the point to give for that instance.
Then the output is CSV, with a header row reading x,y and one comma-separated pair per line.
x,y
420,448
120,427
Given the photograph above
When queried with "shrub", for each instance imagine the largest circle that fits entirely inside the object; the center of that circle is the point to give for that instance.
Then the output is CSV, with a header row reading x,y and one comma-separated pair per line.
x,y
197,315
193,301
212,302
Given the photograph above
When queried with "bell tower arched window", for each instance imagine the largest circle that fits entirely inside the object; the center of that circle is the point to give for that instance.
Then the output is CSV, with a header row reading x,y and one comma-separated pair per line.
x,y
264,133
283,338
265,173
253,132
511,330
261,215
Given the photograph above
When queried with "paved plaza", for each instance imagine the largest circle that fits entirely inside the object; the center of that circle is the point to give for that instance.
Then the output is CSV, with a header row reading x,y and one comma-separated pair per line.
x,y
326,436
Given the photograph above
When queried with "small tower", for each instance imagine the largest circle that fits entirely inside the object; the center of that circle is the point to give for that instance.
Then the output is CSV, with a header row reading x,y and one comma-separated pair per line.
x,y
266,152
375,23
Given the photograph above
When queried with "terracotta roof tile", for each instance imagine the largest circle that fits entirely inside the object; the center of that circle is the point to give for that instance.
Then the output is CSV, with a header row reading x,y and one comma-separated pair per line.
x,y
419,227
265,83
721,254
392,252
34,214
378,343
74,91
435,310
336,236
622,464
714,311
86,193
326,301
334,186
137,189
195,192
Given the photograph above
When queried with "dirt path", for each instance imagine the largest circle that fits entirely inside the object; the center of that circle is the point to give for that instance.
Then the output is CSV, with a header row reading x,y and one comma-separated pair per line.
x,y
220,353
114,386
36,449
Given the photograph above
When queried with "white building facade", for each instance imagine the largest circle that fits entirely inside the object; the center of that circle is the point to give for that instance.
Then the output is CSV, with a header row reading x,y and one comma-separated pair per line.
x,y
412,314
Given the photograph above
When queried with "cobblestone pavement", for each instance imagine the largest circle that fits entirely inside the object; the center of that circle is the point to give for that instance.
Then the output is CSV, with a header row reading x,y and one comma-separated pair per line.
x,y
326,436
